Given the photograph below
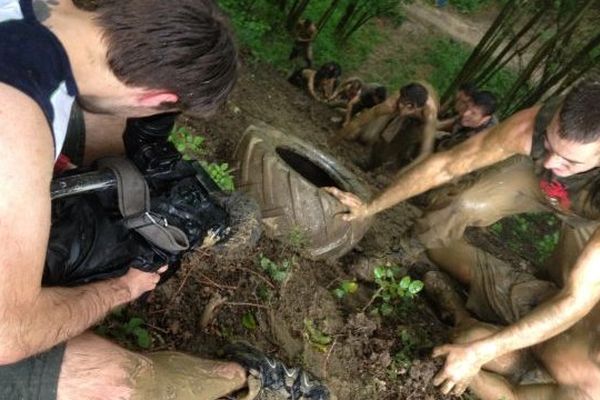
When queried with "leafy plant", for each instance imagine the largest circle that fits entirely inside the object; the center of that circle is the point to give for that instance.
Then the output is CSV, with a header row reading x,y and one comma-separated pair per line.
x,y
221,174
394,292
130,332
297,238
318,338
277,272
345,288
188,144
248,321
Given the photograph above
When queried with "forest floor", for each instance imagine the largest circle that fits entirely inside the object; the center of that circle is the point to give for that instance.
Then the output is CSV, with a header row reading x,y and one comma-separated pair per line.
x,y
368,356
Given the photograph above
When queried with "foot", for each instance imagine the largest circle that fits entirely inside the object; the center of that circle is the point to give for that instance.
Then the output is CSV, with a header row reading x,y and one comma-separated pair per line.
x,y
442,291
275,377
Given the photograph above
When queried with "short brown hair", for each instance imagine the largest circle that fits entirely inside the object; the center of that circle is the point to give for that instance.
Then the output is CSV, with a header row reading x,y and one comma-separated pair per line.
x,y
184,46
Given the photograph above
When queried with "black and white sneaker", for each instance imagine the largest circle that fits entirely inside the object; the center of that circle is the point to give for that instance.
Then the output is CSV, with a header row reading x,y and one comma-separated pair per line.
x,y
275,377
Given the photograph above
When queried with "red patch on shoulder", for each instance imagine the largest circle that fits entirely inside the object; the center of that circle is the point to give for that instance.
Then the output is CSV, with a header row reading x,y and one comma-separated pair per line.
x,y
556,192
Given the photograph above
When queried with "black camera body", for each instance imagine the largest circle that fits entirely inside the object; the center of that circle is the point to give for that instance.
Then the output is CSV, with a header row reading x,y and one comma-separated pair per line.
x,y
91,240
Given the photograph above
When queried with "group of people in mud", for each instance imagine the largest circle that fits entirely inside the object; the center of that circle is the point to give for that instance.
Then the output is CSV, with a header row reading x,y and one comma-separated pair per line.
x,y
138,58
517,335
400,127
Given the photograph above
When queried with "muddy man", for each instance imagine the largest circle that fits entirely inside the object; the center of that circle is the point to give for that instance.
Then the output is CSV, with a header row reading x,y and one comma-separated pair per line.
x,y
546,158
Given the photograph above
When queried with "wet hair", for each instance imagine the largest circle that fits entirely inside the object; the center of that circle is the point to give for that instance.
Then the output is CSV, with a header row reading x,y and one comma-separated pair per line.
x,y
330,70
415,94
580,113
468,88
183,46
379,94
486,101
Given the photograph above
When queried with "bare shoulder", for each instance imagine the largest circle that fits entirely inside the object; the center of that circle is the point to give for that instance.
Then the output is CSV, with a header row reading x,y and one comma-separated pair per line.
x,y
26,160
25,135
516,132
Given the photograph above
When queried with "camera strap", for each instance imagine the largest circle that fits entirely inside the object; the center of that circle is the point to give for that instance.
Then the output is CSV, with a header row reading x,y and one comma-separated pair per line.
x,y
134,204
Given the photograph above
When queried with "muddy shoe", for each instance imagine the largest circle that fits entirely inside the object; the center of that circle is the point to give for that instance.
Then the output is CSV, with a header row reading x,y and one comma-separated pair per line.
x,y
276,378
442,291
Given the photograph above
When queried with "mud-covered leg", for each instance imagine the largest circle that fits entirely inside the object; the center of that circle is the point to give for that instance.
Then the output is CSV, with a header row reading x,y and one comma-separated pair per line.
x,y
491,386
94,368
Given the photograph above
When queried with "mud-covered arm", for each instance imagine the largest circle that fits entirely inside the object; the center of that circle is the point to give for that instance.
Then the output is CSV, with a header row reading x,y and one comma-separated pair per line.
x,y
498,143
574,301
32,318
351,130
429,130
310,79
446,124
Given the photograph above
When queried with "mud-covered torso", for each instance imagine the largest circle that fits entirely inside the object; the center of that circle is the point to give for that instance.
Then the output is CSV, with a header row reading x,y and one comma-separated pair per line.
x,y
575,198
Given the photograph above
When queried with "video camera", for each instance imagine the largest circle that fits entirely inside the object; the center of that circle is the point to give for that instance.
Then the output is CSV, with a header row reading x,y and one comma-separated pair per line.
x,y
144,211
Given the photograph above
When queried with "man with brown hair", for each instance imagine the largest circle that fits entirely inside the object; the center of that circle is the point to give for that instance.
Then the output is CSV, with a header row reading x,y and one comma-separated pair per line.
x,y
126,59
547,159
401,129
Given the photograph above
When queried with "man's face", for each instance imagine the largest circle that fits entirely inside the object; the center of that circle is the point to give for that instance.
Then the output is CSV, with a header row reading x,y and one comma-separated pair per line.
x,y
408,109
462,102
565,157
473,116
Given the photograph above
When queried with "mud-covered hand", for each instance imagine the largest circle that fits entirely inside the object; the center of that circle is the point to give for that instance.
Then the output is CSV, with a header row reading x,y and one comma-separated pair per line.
x,y
463,362
356,208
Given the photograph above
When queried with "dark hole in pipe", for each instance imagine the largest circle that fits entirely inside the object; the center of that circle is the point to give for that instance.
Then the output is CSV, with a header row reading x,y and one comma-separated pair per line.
x,y
308,169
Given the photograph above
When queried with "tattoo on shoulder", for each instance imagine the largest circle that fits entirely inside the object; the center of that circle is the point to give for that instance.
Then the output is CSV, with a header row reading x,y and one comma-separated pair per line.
x,y
43,8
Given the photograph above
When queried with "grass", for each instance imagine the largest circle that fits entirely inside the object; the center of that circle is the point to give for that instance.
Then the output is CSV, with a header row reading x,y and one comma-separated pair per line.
x,y
262,35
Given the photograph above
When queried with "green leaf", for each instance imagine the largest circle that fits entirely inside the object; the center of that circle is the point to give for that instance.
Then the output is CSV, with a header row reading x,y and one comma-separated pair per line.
x,y
143,338
386,309
248,321
134,323
339,293
379,272
315,335
415,287
405,282
349,287
279,276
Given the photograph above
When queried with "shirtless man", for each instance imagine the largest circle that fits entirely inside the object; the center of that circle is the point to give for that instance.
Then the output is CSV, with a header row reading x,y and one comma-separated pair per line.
x,y
354,95
306,32
126,59
548,158
402,123
320,84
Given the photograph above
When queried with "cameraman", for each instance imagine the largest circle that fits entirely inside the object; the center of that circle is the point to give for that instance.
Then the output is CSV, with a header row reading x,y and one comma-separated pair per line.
x,y
125,59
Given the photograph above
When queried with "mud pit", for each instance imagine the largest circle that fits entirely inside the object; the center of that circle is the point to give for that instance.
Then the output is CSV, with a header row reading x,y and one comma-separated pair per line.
x,y
369,357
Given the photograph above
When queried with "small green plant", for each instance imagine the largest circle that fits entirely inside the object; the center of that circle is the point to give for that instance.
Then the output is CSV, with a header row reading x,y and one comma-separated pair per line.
x,y
297,238
221,174
277,272
188,144
248,321
394,292
345,288
316,337
130,332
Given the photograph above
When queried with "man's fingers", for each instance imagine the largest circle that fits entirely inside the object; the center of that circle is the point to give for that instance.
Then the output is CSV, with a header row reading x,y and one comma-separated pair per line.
x,y
447,387
439,378
459,389
440,351
162,269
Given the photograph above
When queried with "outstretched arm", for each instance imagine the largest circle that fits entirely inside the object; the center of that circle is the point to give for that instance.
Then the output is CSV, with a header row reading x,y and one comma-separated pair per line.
x,y
32,318
511,137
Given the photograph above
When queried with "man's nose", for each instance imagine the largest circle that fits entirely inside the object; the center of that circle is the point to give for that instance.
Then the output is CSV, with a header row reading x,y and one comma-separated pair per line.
x,y
552,161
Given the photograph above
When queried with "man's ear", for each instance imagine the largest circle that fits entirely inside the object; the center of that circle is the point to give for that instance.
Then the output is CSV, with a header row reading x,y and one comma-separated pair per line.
x,y
156,98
